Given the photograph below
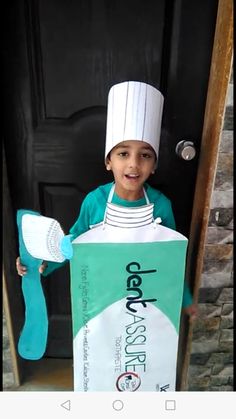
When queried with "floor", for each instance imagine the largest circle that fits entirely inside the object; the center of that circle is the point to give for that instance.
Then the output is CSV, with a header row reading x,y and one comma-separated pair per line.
x,y
47,374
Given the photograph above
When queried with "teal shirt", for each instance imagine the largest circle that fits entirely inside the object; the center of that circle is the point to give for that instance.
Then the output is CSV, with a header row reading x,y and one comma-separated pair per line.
x,y
93,209
94,205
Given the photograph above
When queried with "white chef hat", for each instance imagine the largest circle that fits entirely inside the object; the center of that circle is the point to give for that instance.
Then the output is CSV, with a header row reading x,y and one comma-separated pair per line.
x,y
134,112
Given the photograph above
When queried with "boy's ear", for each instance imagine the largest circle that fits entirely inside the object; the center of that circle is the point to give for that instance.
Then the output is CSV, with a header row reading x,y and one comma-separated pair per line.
x,y
108,164
155,167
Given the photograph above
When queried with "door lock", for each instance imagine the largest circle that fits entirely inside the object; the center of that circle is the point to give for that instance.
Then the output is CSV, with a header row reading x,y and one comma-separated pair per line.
x,y
185,149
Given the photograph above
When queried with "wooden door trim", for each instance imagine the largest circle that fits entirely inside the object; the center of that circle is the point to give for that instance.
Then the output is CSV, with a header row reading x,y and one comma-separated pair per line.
x,y
12,298
213,123
10,331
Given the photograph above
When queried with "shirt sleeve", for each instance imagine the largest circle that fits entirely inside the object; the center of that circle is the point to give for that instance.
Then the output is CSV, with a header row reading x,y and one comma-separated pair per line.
x,y
187,296
165,212
83,221
52,266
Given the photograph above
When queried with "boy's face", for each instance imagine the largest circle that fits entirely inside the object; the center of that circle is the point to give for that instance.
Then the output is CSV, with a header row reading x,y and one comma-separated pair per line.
x,y
131,162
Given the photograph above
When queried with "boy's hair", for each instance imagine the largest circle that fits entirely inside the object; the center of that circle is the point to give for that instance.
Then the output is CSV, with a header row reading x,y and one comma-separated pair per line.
x,y
109,154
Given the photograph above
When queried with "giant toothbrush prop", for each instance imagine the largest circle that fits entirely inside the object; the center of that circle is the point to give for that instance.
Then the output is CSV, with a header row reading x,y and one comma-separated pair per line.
x,y
33,338
40,238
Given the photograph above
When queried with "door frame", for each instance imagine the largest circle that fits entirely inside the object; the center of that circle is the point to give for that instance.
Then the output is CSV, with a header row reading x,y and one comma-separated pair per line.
x,y
221,64
213,121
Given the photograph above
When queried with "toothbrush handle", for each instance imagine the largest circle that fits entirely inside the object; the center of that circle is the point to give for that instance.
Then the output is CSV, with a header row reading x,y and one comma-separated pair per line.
x,y
33,339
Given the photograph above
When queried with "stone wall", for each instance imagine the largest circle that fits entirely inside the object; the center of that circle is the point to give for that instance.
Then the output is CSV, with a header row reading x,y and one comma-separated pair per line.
x,y
211,362
8,376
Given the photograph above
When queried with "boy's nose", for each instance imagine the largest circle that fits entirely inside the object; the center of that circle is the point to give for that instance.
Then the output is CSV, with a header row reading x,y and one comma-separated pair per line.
x,y
133,161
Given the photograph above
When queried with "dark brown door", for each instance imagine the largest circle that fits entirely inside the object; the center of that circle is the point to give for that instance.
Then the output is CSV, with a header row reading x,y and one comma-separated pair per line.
x,y
60,59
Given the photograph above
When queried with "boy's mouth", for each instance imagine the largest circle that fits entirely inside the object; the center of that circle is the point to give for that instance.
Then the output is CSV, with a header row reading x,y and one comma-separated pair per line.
x,y
132,176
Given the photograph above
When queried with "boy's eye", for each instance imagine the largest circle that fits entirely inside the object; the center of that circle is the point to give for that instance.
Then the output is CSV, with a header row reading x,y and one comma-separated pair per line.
x,y
141,155
147,155
123,154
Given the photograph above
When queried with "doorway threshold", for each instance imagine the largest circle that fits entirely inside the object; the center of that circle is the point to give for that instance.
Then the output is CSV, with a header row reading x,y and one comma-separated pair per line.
x,y
47,374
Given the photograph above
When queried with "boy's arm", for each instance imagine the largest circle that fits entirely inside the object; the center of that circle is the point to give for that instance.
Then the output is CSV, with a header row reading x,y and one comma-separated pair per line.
x,y
52,266
80,226
187,296
188,306
168,220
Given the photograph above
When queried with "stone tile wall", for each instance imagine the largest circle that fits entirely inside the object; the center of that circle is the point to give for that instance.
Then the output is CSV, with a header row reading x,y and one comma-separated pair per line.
x,y
211,362
8,376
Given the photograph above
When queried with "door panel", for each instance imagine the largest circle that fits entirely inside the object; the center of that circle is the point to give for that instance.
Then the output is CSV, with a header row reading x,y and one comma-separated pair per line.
x,y
185,75
61,58
86,47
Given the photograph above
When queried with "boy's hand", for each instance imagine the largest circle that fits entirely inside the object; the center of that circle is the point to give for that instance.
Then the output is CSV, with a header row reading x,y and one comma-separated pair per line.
x,y
43,267
22,270
191,311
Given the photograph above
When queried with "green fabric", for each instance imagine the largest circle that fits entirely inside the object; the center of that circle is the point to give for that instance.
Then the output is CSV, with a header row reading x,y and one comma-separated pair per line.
x,y
93,209
94,205
187,296
92,261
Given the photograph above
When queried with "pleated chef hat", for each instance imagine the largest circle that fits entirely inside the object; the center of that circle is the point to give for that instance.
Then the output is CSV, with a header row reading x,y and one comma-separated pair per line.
x,y
134,112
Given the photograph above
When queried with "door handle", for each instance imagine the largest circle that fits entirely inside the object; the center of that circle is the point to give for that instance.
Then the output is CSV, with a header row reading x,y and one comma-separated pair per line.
x,y
185,149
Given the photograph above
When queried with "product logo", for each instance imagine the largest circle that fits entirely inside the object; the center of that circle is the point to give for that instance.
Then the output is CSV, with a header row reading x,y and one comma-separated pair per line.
x,y
135,339
134,283
128,381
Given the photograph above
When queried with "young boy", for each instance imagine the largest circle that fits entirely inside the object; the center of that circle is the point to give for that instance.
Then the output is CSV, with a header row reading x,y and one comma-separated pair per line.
x,y
132,144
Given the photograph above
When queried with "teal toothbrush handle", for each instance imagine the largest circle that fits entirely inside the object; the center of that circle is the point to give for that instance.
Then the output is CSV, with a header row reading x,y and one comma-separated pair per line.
x,y
33,339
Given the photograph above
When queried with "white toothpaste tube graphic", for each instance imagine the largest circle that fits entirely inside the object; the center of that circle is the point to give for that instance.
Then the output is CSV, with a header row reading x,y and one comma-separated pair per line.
x,y
126,288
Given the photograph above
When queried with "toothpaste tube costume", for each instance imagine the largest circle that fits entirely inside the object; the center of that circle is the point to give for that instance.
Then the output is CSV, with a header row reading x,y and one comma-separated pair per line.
x,y
127,274
127,269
